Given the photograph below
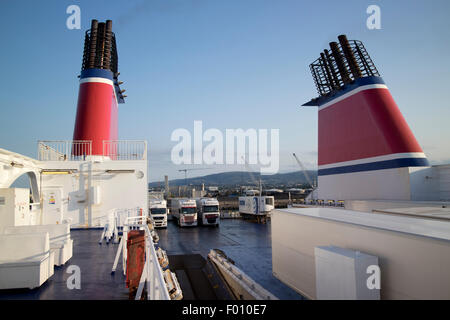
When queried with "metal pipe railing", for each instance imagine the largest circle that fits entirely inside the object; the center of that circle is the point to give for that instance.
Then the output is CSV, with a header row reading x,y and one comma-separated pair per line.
x,y
64,150
100,50
80,150
348,53
152,276
125,149
330,64
335,50
347,62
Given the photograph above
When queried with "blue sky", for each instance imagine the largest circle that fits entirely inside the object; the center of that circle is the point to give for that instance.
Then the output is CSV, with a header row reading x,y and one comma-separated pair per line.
x,y
232,64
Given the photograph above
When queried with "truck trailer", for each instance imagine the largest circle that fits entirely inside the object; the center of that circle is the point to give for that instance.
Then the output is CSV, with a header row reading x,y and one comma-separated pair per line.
x,y
256,205
184,211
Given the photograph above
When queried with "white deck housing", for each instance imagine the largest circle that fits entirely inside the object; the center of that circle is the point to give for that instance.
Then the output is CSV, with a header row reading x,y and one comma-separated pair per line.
x,y
341,274
59,234
413,253
25,260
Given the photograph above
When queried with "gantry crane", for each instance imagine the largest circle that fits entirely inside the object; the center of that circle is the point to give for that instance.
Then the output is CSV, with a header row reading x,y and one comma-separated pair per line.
x,y
305,172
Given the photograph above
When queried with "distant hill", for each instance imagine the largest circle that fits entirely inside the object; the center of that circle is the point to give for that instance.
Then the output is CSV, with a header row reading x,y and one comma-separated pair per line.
x,y
238,178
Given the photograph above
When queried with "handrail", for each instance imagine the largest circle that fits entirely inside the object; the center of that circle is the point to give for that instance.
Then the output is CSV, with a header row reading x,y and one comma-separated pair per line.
x,y
125,149
152,275
135,220
121,215
116,219
64,150
81,150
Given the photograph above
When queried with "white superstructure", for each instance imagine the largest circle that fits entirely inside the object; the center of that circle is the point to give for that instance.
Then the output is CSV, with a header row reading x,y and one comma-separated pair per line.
x,y
89,187
79,189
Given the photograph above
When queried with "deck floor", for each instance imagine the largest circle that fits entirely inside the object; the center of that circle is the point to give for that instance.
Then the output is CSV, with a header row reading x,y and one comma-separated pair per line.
x,y
95,262
247,243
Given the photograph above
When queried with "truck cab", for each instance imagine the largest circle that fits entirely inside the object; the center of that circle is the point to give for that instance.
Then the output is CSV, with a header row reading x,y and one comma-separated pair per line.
x,y
158,211
208,211
184,211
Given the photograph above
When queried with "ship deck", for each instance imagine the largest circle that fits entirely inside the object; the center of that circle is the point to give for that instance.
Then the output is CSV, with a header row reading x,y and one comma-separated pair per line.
x,y
245,242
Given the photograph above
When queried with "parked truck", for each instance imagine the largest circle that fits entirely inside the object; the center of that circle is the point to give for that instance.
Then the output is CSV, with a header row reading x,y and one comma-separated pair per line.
x,y
256,205
158,211
184,211
208,211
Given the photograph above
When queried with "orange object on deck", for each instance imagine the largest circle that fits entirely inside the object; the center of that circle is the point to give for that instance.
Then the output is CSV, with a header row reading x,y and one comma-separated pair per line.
x,y
135,258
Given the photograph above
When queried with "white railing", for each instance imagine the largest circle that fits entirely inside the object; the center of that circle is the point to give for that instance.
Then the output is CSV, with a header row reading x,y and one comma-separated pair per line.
x,y
64,150
125,149
81,150
152,275
115,220
121,215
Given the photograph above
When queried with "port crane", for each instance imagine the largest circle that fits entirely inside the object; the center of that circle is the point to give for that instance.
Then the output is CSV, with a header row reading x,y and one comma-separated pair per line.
x,y
305,172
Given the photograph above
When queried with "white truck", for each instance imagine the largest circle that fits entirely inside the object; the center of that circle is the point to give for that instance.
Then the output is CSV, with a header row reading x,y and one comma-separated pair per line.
x,y
184,211
256,205
208,211
158,211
